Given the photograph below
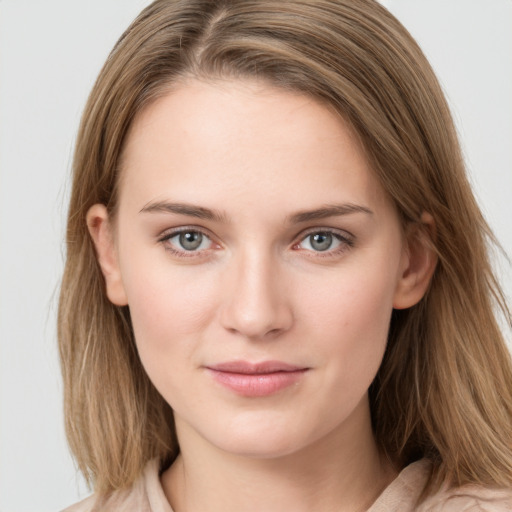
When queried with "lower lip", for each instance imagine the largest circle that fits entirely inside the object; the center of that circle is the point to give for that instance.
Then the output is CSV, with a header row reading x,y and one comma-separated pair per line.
x,y
262,384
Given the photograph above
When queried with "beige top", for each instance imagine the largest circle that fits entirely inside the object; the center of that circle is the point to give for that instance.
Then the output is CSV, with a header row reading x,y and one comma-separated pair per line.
x,y
147,495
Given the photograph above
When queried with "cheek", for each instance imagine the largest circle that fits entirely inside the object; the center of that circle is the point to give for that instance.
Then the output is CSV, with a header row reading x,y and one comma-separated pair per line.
x,y
355,302
169,306
353,314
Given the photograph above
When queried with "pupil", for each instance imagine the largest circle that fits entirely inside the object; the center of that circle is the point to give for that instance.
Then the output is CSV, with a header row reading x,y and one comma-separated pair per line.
x,y
191,240
321,241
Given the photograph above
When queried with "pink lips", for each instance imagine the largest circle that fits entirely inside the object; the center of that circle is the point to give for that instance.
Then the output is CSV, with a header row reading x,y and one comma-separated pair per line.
x,y
256,379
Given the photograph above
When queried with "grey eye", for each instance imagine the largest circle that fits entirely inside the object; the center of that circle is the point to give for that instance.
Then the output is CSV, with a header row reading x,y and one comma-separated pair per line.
x,y
321,241
190,240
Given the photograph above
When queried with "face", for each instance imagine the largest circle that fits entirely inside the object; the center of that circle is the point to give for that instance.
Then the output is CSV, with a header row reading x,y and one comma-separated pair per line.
x,y
260,260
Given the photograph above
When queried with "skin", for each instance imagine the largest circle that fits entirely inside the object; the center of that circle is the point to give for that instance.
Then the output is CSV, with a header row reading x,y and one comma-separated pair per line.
x,y
257,288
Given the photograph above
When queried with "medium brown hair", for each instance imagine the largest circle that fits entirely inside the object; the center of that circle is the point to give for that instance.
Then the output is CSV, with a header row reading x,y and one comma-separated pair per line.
x,y
444,390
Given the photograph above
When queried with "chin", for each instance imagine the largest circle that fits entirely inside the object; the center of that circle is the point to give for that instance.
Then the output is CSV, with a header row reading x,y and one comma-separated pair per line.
x,y
261,448
263,440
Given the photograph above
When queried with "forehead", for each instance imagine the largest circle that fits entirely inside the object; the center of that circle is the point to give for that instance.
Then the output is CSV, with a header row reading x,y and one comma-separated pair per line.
x,y
216,140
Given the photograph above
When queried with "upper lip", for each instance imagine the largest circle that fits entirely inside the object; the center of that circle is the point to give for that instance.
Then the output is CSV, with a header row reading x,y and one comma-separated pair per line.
x,y
248,368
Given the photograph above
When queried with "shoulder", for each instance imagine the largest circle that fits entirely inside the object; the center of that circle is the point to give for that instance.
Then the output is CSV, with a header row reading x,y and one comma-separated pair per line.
x,y
85,505
145,495
404,494
125,500
470,498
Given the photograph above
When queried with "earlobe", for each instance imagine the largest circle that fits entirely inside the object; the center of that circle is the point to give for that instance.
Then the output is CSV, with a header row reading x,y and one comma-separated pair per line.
x,y
419,261
100,229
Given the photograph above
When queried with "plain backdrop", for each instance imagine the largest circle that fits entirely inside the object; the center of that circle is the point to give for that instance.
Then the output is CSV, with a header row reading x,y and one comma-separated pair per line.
x,y
50,54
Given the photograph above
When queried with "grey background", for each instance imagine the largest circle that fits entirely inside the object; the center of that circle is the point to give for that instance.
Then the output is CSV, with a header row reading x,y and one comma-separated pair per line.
x,y
50,54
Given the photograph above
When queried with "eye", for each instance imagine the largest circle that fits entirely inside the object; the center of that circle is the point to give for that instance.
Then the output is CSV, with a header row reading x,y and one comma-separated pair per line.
x,y
187,240
320,242
324,242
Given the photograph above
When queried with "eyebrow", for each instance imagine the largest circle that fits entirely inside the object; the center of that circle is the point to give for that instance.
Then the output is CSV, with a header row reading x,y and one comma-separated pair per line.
x,y
201,212
334,210
183,209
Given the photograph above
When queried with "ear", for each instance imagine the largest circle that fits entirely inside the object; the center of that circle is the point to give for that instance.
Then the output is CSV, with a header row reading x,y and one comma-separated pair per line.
x,y
418,263
101,232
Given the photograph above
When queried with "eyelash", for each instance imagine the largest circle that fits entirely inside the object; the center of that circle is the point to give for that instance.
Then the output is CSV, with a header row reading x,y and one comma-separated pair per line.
x,y
346,242
165,238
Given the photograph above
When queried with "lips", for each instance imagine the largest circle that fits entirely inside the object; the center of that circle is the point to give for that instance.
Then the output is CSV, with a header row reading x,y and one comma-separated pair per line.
x,y
256,379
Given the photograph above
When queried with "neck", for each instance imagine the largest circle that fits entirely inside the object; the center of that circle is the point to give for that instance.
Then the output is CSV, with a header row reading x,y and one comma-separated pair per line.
x,y
341,472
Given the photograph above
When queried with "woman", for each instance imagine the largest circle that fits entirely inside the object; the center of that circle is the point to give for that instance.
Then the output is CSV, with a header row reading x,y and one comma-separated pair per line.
x,y
277,292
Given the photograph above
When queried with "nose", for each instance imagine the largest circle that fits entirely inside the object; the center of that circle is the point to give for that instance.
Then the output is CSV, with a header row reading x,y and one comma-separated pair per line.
x,y
257,303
